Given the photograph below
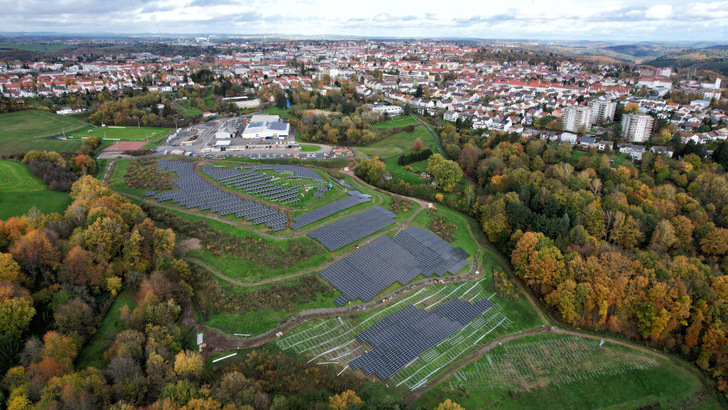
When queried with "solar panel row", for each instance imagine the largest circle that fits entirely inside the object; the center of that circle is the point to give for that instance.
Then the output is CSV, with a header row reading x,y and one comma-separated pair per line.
x,y
196,192
354,198
254,183
349,230
373,268
402,336
299,171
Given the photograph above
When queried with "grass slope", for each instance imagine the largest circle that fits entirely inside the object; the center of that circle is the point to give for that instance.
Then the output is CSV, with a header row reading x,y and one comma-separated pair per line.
x,y
110,326
608,376
396,144
20,190
23,131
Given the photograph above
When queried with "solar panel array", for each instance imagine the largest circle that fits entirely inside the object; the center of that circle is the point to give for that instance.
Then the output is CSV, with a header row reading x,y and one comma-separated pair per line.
x,y
412,252
299,171
254,183
354,198
196,192
349,230
401,337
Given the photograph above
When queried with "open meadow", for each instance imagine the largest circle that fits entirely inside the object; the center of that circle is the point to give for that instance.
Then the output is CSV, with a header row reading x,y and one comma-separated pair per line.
x,y
24,131
20,190
571,372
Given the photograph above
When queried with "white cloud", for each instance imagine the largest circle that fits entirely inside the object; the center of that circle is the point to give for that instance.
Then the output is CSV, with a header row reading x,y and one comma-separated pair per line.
x,y
538,19
659,12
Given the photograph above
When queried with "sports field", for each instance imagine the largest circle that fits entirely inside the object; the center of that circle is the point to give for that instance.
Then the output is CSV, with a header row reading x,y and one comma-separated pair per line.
x,y
20,190
123,133
23,131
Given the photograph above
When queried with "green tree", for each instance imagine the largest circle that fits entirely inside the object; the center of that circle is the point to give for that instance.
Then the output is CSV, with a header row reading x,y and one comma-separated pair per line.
x,y
447,174
371,170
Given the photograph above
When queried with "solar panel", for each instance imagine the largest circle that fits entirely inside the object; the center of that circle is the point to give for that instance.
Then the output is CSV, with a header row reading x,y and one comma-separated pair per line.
x,y
404,335
196,192
347,231
354,198
370,270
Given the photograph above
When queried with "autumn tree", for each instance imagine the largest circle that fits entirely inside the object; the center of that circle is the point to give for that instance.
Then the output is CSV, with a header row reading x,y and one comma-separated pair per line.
x,y
9,269
75,318
16,309
34,252
343,400
715,242
417,145
449,405
188,365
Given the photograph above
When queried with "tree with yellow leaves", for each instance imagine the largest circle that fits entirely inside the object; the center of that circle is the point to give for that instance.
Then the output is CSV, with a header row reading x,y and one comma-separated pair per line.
x,y
449,405
343,400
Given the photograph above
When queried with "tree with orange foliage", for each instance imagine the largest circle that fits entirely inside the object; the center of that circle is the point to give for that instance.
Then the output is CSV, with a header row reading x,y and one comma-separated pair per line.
x,y
34,252
417,145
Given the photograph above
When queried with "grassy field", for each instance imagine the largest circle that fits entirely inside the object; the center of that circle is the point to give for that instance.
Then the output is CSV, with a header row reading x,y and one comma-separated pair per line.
x,y
23,131
186,110
123,133
33,46
109,327
20,190
260,321
568,372
396,144
397,122
277,111
310,148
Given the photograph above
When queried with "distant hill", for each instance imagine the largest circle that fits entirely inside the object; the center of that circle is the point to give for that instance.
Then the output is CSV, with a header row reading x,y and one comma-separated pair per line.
x,y
713,58
638,50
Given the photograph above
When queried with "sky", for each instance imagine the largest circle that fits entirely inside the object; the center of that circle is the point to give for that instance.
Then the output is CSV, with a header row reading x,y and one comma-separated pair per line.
x,y
512,19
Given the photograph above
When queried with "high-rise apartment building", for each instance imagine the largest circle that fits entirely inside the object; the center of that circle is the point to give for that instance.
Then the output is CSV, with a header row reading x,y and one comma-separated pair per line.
x,y
637,127
602,111
576,117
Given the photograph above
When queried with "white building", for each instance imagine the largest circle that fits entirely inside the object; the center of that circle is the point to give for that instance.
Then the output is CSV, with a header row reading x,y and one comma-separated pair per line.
x,y
637,127
266,130
389,109
568,137
602,111
576,117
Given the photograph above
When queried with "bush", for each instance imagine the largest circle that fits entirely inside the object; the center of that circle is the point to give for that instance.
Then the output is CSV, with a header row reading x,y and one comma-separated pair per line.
x,y
400,205
138,152
411,157
441,226
249,248
143,174
58,178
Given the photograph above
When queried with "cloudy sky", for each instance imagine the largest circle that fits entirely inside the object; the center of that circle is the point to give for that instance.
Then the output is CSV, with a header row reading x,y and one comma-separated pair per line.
x,y
511,19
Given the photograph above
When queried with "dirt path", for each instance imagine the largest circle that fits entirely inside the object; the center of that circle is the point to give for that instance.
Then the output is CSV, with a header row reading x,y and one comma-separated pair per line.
x,y
109,170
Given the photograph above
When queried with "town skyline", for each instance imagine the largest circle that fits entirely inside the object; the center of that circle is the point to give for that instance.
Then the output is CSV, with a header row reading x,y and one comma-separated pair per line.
x,y
522,20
